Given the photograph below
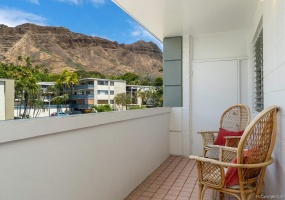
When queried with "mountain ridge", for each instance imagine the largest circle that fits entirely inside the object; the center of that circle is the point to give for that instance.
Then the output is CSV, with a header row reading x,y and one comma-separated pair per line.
x,y
57,48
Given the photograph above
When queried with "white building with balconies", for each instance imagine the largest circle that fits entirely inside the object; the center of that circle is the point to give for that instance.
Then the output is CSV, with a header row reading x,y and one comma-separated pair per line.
x,y
94,91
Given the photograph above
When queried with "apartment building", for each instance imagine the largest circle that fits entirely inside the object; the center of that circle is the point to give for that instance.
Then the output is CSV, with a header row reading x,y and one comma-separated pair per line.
x,y
6,99
132,90
43,87
93,91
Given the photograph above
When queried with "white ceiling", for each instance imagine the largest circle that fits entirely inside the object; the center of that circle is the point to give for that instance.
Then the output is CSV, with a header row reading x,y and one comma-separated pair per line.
x,y
166,18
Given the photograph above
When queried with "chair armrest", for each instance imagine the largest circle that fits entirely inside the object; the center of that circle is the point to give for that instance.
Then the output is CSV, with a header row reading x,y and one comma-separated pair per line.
x,y
209,174
212,172
227,154
232,141
224,164
208,137
202,132
232,137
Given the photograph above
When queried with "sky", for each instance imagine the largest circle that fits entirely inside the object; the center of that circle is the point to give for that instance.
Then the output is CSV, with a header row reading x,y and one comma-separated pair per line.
x,y
100,18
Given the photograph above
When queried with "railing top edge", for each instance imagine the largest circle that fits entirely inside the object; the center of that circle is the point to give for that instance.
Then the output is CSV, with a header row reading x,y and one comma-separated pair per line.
x,y
14,130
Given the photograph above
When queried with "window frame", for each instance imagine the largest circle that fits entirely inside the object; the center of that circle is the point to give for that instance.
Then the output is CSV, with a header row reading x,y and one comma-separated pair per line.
x,y
257,71
99,101
102,82
102,92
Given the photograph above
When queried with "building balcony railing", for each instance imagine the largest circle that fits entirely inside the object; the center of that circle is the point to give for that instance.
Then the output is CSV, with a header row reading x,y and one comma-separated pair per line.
x,y
81,106
82,156
81,96
79,87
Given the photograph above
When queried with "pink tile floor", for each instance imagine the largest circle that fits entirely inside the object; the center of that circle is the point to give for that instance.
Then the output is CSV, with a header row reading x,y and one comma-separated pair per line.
x,y
176,178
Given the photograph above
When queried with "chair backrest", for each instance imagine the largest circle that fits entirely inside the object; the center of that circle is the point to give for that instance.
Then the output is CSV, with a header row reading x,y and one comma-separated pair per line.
x,y
257,142
235,118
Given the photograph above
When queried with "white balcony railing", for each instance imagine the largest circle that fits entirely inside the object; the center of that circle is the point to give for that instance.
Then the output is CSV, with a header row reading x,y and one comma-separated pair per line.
x,y
93,156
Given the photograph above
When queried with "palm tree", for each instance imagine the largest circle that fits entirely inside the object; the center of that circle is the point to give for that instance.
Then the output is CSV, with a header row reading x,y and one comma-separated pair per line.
x,y
50,91
66,79
25,86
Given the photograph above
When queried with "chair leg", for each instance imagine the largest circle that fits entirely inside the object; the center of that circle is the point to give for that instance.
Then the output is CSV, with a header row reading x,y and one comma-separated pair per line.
x,y
221,195
243,196
214,194
259,186
201,191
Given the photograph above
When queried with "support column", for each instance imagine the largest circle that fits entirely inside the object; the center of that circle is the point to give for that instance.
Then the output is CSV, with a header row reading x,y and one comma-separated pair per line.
x,y
186,79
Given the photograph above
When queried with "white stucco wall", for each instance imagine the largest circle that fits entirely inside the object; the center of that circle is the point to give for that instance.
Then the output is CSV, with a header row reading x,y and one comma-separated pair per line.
x,y
220,45
2,100
88,157
274,83
214,48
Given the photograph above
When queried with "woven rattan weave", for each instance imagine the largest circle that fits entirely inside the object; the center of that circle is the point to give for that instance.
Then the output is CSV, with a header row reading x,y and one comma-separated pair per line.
x,y
253,156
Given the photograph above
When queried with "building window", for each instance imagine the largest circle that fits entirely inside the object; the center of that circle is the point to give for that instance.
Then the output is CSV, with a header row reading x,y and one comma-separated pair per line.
x,y
111,101
102,92
111,83
112,92
102,102
102,82
89,92
258,72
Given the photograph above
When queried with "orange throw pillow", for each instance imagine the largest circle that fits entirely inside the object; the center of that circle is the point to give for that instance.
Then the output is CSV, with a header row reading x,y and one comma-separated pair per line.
x,y
222,133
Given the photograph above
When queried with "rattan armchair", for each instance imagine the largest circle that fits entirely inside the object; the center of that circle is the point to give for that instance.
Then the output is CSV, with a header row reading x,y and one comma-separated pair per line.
x,y
235,118
253,155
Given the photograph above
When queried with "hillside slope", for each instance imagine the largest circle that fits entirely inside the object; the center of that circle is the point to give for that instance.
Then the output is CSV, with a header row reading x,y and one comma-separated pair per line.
x,y
57,48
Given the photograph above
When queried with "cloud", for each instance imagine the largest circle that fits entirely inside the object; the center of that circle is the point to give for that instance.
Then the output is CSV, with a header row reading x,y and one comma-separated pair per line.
x,y
34,1
77,2
103,36
139,33
13,17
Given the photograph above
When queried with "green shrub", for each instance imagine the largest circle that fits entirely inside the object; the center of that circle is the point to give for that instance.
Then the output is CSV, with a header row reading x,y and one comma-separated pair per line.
x,y
136,107
102,108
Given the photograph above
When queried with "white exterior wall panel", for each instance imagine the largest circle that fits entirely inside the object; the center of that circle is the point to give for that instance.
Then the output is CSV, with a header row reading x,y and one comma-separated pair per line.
x,y
119,87
102,156
220,45
272,13
2,101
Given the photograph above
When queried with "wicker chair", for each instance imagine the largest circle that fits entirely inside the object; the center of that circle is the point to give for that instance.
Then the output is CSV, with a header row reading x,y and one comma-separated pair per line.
x,y
253,155
235,118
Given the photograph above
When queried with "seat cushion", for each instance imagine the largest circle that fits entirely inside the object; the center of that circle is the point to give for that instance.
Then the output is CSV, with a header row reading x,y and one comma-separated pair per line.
x,y
222,133
231,178
231,175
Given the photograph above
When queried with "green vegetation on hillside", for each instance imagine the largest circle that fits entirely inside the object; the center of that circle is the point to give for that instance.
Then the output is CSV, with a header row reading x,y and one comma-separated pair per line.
x,y
129,77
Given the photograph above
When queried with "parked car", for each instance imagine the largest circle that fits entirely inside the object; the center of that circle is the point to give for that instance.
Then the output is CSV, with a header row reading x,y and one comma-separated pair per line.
x,y
59,114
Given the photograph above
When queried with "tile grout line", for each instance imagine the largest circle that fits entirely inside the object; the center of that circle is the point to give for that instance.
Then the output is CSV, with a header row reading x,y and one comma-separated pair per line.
x,y
171,172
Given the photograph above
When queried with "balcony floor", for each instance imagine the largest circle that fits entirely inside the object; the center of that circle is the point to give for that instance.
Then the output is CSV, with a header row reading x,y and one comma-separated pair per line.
x,y
176,178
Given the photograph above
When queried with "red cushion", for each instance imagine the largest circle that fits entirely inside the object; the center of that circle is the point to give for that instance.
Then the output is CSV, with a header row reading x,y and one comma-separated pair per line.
x,y
232,172
231,175
222,133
